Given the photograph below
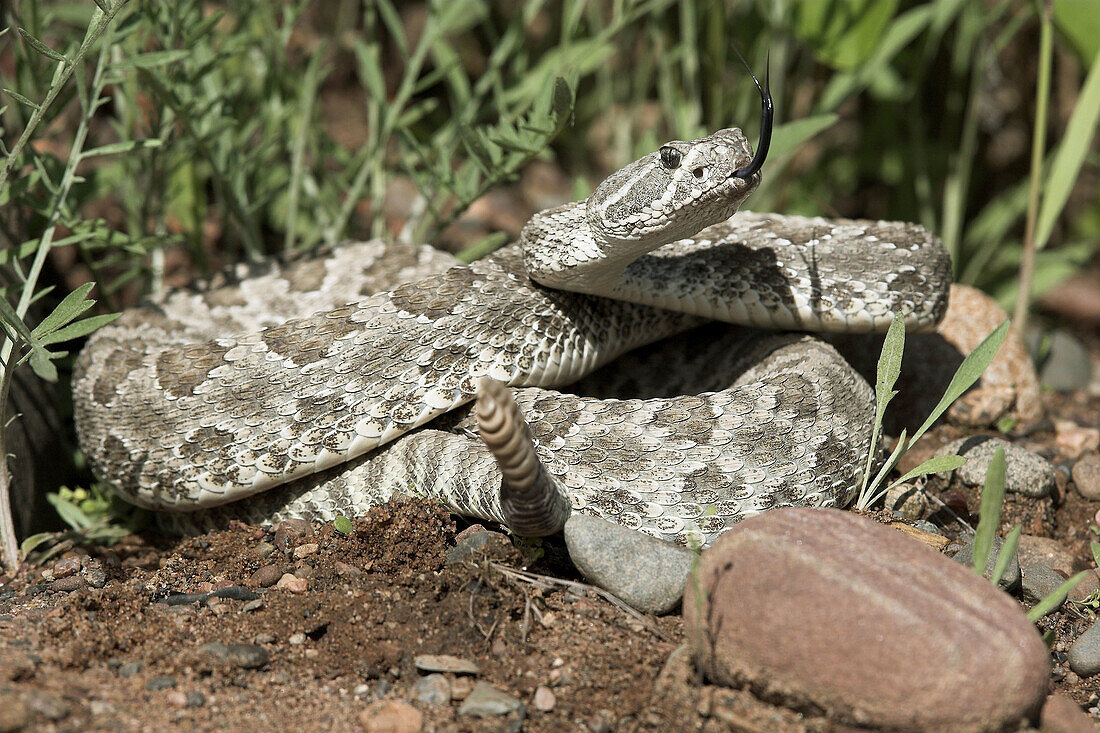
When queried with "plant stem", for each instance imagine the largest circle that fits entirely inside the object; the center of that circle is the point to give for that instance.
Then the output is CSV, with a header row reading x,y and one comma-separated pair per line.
x,y
100,21
1038,144
7,358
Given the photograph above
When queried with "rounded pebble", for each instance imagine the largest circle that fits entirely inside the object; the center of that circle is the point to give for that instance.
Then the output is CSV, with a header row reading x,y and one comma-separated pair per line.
x,y
827,608
487,701
1025,473
644,571
293,583
433,690
266,576
445,663
391,716
1037,582
544,700
1086,476
1084,655
1010,579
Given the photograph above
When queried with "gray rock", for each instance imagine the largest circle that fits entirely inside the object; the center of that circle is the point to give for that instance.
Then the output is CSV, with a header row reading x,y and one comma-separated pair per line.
x,y
1084,655
1035,550
1066,367
1010,580
1062,715
826,608
445,663
245,656
433,690
1038,581
1086,476
487,701
160,683
644,571
1025,473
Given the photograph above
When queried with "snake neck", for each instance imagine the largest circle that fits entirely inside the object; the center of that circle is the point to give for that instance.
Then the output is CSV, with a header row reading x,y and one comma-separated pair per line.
x,y
562,250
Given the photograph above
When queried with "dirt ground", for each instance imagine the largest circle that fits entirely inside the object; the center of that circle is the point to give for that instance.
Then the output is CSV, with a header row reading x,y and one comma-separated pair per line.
x,y
122,657
348,631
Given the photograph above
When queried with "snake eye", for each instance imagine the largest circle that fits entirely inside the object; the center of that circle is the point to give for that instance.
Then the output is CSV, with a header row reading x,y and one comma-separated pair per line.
x,y
670,157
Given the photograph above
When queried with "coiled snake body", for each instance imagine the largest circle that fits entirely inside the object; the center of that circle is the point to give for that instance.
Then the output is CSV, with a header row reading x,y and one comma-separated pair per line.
x,y
323,387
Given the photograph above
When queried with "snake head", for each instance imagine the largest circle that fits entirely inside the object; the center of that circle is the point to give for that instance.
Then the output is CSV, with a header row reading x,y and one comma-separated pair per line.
x,y
675,191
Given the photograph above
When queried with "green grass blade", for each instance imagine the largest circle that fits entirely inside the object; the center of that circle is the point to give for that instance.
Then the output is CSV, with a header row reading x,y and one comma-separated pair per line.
x,y
993,495
939,464
1071,154
972,367
889,367
1008,551
1051,602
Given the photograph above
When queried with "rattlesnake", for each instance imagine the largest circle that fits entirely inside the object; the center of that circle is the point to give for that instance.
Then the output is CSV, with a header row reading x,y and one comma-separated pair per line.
x,y
235,393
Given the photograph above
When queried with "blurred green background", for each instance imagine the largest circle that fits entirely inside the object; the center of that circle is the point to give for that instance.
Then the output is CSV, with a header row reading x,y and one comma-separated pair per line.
x,y
237,129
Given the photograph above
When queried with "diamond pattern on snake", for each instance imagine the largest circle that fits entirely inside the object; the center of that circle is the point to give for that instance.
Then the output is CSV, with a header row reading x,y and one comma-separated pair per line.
x,y
325,386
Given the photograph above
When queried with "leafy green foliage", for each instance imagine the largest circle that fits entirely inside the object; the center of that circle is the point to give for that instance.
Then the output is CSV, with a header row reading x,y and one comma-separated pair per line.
x,y
1051,602
993,494
889,367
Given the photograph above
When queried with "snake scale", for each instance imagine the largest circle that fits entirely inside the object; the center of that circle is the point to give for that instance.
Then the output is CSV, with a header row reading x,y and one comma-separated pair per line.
x,y
324,386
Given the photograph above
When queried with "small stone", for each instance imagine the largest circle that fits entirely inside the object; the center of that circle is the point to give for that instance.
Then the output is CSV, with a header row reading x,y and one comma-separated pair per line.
x,y
487,701
469,541
129,669
245,656
908,500
266,576
1086,476
1037,582
1034,550
293,583
65,567
160,683
1085,588
391,716
69,584
433,690
288,532
1025,473
263,549
343,568
46,704
862,622
1011,577
544,700
94,573
14,713
306,550
1066,367
644,571
297,639
445,663
176,699
233,592
461,687
263,639
1062,715
1072,440
255,605
1084,655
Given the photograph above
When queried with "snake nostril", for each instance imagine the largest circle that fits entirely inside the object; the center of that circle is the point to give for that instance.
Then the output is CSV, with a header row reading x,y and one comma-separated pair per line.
x,y
698,172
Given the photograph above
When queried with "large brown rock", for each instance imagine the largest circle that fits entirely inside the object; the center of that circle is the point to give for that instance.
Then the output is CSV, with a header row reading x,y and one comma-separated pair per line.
x,y
1008,388
828,609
